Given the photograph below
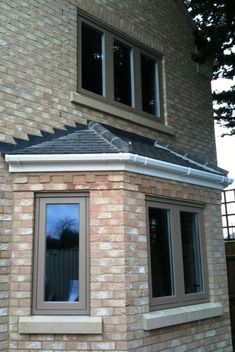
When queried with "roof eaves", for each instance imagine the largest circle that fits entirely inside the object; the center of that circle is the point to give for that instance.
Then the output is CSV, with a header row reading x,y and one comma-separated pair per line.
x,y
116,162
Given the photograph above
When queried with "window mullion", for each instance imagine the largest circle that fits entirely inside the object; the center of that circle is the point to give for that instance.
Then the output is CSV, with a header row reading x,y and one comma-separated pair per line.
x,y
41,255
82,254
137,80
157,71
178,258
109,80
79,56
203,252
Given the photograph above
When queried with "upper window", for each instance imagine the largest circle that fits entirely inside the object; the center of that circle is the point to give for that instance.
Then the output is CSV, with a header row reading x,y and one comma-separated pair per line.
x,y
60,273
117,71
177,256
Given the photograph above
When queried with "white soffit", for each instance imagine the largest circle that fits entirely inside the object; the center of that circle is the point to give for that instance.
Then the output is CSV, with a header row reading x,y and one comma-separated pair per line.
x,y
115,162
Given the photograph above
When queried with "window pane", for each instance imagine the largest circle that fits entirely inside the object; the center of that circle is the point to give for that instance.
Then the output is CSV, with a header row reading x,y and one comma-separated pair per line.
x,y
149,85
191,252
160,250
62,252
122,72
92,60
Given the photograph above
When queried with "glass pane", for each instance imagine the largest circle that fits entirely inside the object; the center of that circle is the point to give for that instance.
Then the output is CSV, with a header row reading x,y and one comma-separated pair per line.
x,y
223,209
230,195
122,72
160,250
62,252
224,221
92,60
191,252
231,208
225,233
148,85
231,220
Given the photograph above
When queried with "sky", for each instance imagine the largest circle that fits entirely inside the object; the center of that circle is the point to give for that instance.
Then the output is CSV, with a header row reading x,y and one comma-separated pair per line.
x,y
226,152
58,214
225,145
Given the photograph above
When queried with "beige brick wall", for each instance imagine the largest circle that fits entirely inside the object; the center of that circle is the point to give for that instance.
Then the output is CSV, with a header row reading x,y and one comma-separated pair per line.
x,y
118,264
39,57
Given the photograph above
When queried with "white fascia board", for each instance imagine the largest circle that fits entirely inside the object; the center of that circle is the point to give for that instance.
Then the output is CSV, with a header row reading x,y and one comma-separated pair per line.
x,y
115,162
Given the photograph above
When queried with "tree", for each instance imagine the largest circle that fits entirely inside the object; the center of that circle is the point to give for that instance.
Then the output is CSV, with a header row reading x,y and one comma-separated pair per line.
x,y
215,41
63,235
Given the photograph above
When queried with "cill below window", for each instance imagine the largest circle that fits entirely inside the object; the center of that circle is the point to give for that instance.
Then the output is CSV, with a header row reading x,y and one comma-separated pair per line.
x,y
60,254
114,70
177,257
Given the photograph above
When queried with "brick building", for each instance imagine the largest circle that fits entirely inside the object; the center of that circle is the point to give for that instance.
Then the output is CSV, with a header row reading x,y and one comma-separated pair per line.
x,y
111,234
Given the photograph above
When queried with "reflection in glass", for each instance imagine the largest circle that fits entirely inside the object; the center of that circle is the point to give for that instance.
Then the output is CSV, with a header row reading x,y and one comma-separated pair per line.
x,y
160,250
149,85
122,72
92,60
191,252
62,252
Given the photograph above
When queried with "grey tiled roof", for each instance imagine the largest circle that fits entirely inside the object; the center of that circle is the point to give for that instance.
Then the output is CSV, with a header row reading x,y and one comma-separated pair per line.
x,y
96,138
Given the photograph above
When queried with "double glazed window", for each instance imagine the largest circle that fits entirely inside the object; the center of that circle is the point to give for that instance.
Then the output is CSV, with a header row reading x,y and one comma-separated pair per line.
x,y
177,258
113,69
60,278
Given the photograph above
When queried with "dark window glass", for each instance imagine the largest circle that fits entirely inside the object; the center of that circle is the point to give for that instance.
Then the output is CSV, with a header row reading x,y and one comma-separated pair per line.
x,y
149,89
160,250
122,72
62,252
191,252
92,60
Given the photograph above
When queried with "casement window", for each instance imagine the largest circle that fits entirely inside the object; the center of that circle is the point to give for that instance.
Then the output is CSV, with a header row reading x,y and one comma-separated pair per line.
x,y
60,265
177,262
115,70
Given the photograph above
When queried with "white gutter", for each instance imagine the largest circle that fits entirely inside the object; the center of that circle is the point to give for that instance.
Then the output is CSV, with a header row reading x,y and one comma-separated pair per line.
x,y
115,162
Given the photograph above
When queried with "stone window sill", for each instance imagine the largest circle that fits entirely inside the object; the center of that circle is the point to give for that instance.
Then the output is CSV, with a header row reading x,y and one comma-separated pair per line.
x,y
60,325
95,104
174,316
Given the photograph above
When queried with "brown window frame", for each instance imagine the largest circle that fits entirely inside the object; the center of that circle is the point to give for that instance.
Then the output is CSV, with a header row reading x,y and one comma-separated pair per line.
x,y
137,49
39,306
179,297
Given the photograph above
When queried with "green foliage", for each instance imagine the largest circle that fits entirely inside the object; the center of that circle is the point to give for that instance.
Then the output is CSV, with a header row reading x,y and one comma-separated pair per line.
x,y
215,40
